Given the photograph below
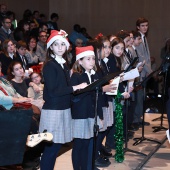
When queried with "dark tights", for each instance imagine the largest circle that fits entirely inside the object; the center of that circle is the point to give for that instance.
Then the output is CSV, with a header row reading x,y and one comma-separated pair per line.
x,y
49,156
81,153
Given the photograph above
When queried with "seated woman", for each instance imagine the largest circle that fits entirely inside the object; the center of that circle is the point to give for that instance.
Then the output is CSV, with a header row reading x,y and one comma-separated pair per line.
x,y
7,56
8,95
16,77
31,51
20,84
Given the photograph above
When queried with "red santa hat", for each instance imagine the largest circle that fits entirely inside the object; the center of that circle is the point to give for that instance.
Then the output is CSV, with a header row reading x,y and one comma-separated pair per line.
x,y
84,51
58,35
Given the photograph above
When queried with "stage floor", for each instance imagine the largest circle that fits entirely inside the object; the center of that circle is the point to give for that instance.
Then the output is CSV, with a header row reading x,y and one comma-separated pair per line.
x,y
158,155
157,160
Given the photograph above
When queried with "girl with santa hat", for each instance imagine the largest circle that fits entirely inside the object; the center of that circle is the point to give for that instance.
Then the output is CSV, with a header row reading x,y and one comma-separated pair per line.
x,y
56,114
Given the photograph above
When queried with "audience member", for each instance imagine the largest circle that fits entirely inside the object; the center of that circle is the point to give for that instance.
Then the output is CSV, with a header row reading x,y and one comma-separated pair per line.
x,y
20,54
76,34
3,10
36,78
7,56
31,51
22,31
52,25
41,50
5,30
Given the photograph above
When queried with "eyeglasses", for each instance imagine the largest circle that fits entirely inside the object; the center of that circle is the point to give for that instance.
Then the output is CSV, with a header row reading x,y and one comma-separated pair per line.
x,y
43,36
33,78
7,22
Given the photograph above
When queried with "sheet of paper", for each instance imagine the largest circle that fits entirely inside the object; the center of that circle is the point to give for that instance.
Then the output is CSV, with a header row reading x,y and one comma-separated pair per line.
x,y
130,84
140,64
132,74
116,83
167,134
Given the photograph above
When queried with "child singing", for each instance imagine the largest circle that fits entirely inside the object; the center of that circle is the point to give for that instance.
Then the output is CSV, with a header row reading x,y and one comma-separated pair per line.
x,y
56,114
83,107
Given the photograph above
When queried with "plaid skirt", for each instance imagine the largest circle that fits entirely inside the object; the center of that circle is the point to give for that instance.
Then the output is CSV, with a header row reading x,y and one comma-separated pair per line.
x,y
104,121
83,128
109,113
57,122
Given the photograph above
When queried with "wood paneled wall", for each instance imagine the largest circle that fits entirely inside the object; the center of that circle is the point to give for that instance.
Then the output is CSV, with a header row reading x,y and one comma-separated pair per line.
x,y
105,16
19,6
110,16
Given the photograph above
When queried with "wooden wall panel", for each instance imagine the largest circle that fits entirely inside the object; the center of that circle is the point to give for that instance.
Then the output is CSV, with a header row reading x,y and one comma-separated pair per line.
x,y
19,6
105,16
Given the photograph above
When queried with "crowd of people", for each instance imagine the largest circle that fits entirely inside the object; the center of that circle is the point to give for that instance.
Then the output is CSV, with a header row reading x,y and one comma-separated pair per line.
x,y
42,65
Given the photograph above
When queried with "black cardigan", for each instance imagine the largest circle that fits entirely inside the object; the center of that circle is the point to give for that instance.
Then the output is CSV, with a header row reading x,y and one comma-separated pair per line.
x,y
56,86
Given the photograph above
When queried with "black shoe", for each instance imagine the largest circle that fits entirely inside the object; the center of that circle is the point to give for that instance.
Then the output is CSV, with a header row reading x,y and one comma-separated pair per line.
x,y
133,128
101,162
136,125
130,134
106,148
145,124
95,168
105,153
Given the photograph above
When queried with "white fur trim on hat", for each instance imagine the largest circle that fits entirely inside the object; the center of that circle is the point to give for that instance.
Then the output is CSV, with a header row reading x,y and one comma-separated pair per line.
x,y
84,54
58,37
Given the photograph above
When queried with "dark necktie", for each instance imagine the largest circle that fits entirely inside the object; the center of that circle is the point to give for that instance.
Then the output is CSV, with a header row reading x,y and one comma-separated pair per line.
x,y
137,55
24,62
144,38
128,55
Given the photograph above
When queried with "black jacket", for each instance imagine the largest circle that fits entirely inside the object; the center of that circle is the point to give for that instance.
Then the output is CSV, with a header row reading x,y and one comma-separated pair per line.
x,y
83,105
56,86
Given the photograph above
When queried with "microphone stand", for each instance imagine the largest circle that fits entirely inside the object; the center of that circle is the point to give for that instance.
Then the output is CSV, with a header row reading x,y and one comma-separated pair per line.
x,y
126,149
142,138
164,68
159,128
95,130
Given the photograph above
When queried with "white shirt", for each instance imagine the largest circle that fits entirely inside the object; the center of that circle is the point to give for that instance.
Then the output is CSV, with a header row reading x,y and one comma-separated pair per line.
x,y
92,72
59,59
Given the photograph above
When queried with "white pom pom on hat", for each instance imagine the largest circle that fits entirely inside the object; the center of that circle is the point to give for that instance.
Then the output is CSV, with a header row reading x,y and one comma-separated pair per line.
x,y
58,35
84,51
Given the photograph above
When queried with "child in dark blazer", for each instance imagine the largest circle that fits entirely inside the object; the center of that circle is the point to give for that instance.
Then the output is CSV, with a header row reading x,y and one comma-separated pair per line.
x,y
83,108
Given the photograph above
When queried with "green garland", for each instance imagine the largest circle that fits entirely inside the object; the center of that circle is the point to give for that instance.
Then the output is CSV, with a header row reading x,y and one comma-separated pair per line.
x,y
119,156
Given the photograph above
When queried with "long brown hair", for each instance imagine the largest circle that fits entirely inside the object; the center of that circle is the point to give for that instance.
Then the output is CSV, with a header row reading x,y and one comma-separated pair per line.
x,y
10,76
114,42
5,47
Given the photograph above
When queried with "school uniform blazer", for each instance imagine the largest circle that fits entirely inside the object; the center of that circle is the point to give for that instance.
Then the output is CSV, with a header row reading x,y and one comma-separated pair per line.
x,y
83,105
57,89
103,72
113,69
111,64
141,49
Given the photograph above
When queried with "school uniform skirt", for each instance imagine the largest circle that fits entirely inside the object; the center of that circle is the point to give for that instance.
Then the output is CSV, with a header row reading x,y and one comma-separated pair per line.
x,y
57,122
83,128
109,113
104,121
